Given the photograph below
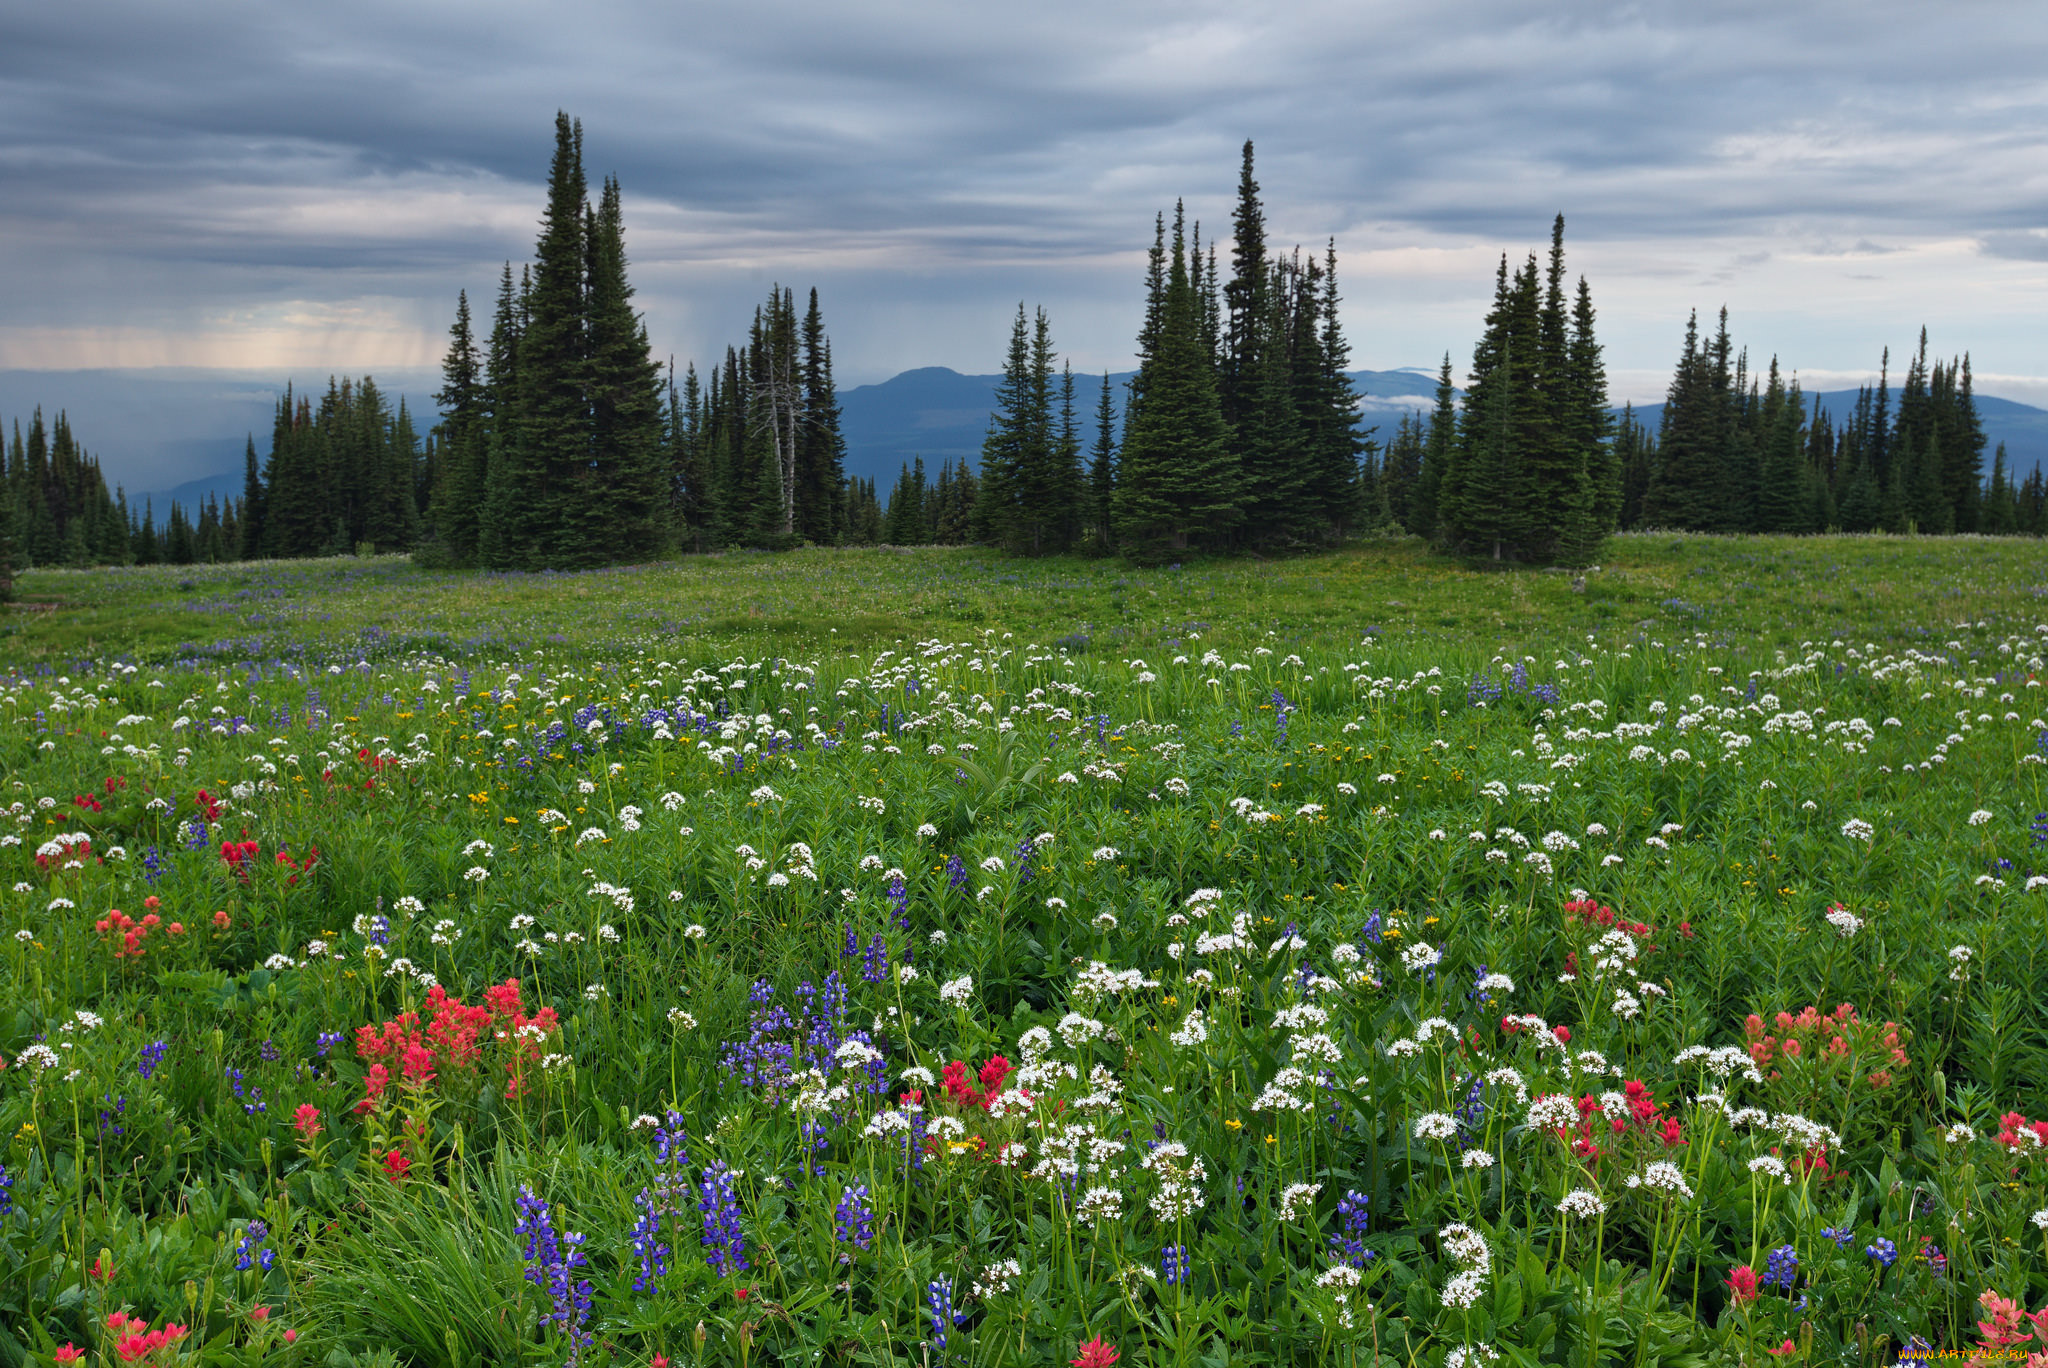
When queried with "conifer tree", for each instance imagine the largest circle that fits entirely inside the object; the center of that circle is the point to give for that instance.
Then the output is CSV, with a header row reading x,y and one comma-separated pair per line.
x,y
457,497
821,449
546,466
249,535
9,552
2001,508
1177,482
623,508
1102,471
498,510
1006,448
1439,457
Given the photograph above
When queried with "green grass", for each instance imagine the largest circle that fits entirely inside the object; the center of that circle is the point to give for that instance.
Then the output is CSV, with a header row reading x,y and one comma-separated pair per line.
x,y
664,800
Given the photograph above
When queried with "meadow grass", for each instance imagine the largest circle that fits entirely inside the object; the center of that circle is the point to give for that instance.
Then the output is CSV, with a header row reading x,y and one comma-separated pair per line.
x,y
874,957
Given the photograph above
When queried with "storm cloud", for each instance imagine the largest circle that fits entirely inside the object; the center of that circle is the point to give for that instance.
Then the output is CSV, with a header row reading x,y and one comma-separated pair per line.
x,y
303,189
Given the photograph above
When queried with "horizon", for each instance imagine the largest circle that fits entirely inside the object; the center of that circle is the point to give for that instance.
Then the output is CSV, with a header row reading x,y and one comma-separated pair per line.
x,y
185,467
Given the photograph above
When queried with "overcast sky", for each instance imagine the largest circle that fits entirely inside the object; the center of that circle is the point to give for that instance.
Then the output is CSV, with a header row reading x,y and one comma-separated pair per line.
x,y
302,189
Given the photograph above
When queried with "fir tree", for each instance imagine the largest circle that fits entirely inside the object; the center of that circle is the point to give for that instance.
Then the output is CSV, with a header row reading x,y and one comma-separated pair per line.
x,y
622,506
1102,471
535,491
457,499
1439,458
1177,482
249,538
821,449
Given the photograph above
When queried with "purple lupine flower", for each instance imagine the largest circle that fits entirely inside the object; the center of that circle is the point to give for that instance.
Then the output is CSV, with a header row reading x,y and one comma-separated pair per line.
x,y
875,962
652,1250
551,1264
1174,1266
938,1297
854,1219
1354,1218
899,903
725,1247
152,1055
252,1248
1782,1269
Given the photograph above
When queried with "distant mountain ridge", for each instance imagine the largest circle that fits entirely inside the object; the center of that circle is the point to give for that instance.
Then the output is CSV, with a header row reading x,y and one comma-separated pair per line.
x,y
942,415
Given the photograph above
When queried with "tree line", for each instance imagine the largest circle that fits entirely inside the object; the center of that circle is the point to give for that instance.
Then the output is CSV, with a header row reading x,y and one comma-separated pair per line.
x,y
562,443
1734,451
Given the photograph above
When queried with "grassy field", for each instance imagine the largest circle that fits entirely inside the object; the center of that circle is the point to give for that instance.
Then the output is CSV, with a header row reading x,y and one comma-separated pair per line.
x,y
925,957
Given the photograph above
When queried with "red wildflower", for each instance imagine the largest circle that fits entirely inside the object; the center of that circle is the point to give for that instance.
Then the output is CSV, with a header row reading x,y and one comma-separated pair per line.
x,y
1563,1034
1788,1347
68,1353
742,1293
221,919
958,1088
396,1165
374,1083
419,1065
259,1313
2003,1327
1095,1354
1741,1281
306,1120
103,1274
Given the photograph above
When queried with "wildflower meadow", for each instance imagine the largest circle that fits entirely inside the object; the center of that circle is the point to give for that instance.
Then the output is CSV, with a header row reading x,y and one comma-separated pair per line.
x,y
863,958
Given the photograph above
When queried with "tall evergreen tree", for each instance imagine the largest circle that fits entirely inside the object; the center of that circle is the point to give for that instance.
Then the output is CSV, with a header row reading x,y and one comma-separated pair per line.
x,y
249,541
821,449
623,505
1177,482
457,498
1439,457
546,466
1102,470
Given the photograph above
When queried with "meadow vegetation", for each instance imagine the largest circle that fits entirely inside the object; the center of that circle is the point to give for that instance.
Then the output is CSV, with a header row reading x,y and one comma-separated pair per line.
x,y
855,956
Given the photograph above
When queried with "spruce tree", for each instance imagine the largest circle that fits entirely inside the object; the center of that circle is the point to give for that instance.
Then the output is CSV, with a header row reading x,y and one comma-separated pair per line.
x,y
1006,449
498,514
821,450
1589,424
1326,403
1783,502
2001,510
1683,489
623,508
8,550
1439,458
537,490
1177,482
249,535
456,502
1102,470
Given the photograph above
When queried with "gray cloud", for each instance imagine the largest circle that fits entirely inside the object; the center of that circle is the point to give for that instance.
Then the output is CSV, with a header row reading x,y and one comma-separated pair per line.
x,y
229,182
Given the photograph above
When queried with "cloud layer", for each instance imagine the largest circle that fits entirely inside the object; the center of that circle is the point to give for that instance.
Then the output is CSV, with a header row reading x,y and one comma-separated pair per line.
x,y
228,183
